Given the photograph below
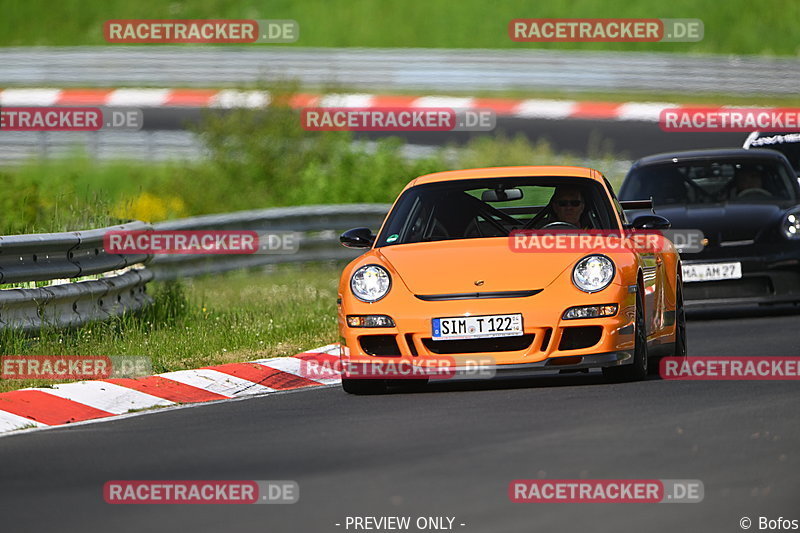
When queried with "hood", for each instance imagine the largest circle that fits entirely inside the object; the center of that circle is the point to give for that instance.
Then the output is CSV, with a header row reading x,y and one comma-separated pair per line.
x,y
448,267
725,222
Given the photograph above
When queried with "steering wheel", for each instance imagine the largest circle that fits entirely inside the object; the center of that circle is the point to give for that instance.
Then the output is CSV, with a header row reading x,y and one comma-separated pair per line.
x,y
753,192
560,225
698,188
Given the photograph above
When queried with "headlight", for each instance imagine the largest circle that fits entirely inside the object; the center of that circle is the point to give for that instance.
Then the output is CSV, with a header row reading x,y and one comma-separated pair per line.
x,y
370,283
791,225
593,273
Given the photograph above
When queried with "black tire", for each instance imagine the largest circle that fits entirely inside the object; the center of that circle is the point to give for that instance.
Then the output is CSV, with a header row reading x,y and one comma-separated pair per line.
x,y
363,386
638,369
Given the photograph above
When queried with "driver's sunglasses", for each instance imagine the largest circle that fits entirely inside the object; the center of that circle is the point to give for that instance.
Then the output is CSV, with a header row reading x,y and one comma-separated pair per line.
x,y
565,203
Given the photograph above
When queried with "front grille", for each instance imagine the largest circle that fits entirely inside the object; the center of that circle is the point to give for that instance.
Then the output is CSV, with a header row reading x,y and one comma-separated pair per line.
x,y
477,295
379,345
500,344
579,337
729,288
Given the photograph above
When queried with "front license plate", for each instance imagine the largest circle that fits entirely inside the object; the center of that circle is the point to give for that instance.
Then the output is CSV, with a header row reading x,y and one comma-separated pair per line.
x,y
477,327
712,272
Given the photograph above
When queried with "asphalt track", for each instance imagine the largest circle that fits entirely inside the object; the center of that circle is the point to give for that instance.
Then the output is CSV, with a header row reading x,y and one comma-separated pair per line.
x,y
450,451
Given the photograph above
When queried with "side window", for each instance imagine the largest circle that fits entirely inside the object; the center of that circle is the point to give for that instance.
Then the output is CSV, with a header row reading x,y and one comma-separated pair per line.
x,y
417,221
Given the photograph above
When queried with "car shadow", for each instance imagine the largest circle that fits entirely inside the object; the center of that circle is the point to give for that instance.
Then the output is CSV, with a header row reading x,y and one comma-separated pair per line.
x,y
750,311
536,382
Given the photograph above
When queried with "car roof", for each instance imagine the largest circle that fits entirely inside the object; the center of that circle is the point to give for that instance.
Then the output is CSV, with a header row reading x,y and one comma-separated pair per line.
x,y
668,157
509,172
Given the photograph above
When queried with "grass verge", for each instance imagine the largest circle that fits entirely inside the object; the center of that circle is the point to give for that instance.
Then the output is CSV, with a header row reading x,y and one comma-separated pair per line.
x,y
233,317
733,27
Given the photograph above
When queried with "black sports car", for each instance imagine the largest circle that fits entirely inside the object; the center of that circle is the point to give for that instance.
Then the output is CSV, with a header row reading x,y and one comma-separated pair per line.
x,y
747,204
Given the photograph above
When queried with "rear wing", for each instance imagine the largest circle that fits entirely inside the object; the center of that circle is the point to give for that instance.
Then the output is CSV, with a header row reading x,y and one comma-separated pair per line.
x,y
637,204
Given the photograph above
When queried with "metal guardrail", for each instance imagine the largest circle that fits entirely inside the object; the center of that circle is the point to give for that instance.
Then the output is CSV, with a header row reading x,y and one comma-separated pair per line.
x,y
49,256
399,69
74,304
57,258
317,229
121,279
18,147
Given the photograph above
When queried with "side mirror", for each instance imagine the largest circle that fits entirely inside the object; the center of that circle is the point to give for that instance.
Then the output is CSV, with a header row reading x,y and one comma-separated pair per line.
x,y
357,238
651,222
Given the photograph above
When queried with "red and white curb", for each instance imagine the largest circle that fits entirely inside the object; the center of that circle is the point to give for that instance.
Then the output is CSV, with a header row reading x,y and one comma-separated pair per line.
x,y
81,401
227,99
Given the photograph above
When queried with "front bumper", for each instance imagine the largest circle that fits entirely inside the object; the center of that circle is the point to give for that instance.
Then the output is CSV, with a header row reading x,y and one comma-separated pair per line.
x,y
553,365
771,278
549,342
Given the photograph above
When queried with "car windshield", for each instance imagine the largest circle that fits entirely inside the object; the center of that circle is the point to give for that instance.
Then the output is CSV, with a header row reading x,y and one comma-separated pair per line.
x,y
710,181
481,208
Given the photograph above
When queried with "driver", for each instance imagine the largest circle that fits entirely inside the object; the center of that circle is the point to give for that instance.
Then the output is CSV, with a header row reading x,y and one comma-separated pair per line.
x,y
568,206
747,179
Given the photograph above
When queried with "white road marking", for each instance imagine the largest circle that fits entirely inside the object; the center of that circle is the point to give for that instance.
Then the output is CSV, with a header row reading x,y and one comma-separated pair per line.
x,y
139,97
105,396
10,422
293,365
23,97
545,108
228,99
217,382
346,100
451,102
645,111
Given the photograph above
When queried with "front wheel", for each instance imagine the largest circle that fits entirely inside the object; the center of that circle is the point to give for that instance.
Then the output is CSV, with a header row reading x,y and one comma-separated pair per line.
x,y
679,346
638,369
680,323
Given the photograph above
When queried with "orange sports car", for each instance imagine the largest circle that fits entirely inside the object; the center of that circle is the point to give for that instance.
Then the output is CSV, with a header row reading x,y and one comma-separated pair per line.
x,y
513,270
